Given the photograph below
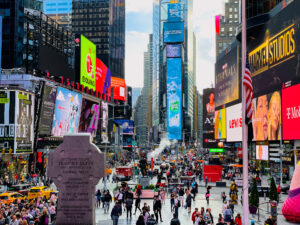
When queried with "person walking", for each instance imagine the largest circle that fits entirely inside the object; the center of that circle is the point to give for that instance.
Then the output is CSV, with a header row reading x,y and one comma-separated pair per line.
x,y
176,205
188,201
194,214
98,195
238,219
181,194
231,205
157,208
172,197
163,196
175,220
128,205
223,196
228,215
207,195
107,200
137,204
116,212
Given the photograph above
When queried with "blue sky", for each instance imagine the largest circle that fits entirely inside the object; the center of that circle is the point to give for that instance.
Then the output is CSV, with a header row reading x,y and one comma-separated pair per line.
x,y
139,26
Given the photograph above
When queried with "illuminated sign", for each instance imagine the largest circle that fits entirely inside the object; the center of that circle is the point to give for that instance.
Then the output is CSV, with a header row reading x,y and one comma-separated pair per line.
x,y
220,124
119,86
173,32
216,150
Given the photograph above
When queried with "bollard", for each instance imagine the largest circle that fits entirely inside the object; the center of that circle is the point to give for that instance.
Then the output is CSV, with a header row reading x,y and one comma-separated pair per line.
x,y
265,196
268,208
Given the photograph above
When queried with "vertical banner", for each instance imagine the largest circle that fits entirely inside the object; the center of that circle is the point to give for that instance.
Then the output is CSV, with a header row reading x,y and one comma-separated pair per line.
x,y
104,127
174,102
174,12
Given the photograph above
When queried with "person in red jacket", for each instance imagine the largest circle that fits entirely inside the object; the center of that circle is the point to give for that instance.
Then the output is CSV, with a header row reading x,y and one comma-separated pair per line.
x,y
238,219
278,189
194,215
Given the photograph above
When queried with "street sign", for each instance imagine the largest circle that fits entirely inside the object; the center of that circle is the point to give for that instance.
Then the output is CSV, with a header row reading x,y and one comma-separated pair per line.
x,y
216,150
134,143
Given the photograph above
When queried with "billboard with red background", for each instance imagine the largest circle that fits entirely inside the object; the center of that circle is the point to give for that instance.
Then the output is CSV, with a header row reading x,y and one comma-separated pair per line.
x,y
119,87
102,78
291,113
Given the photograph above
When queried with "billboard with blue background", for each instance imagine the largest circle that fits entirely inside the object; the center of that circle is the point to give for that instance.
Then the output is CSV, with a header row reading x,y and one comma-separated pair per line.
x,y
173,32
174,12
173,51
174,102
126,125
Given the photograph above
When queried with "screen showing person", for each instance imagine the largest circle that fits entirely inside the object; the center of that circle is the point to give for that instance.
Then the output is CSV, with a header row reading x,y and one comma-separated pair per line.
x,y
210,106
274,117
260,125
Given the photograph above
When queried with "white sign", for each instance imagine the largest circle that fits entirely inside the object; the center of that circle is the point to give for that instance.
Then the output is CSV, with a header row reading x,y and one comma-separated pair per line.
x,y
234,123
262,152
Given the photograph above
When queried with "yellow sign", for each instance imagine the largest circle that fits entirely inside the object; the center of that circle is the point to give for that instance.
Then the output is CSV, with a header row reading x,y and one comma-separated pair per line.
x,y
4,100
174,1
274,51
220,124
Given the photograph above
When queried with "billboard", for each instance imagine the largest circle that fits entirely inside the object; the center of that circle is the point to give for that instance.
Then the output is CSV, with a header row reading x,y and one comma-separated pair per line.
x,y
266,119
173,51
173,32
262,152
220,124
174,12
119,87
87,63
104,127
174,102
66,113
102,77
234,123
47,110
126,125
291,113
227,78
89,117
209,118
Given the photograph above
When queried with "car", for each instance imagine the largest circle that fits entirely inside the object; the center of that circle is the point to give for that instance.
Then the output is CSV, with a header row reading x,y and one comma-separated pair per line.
x,y
21,188
42,191
10,197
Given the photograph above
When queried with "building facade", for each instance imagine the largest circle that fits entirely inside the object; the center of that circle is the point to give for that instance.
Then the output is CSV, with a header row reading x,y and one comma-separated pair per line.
x,y
60,11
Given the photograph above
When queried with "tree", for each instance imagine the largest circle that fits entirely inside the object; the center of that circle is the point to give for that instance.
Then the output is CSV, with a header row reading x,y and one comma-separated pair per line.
x,y
273,195
254,197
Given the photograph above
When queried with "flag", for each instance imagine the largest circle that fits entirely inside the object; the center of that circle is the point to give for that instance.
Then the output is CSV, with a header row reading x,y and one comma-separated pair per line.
x,y
247,83
218,24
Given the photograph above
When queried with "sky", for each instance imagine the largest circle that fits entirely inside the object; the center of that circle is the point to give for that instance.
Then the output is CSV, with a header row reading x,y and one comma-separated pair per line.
x,y
139,26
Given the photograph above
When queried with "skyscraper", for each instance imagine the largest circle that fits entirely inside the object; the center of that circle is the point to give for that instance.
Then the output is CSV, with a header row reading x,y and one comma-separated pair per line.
x,y
59,10
103,22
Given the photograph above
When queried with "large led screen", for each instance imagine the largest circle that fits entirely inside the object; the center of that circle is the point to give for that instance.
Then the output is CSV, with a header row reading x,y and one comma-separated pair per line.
x,y
173,51
87,63
262,152
267,117
234,123
89,117
119,86
220,124
174,102
104,127
103,77
126,125
174,12
291,113
66,113
227,78
47,110
173,32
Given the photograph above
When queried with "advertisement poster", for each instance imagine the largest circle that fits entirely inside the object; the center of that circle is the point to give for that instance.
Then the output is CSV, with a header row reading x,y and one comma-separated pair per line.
x,y
174,12
174,103
173,51
209,118
173,32
291,113
227,78
7,121
274,55
104,127
66,113
234,123
89,117
266,117
87,63
47,110
220,124
126,125
101,71
119,86
262,152
24,122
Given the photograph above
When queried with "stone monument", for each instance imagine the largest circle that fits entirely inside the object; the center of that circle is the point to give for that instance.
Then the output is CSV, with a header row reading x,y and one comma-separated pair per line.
x,y
76,166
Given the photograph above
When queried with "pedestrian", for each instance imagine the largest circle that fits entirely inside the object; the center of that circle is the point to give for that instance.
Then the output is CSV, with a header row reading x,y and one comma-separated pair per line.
x,y
228,215
224,207
181,194
207,195
238,220
163,196
98,194
146,214
223,196
172,197
157,208
207,217
220,222
128,205
44,218
116,212
137,204
176,205
175,220
206,181
193,191
107,200
140,220
231,205
151,220
52,211
194,215
188,201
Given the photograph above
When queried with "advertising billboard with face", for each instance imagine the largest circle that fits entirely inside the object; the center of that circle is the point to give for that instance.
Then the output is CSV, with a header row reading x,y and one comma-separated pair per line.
x,y
173,32
227,78
104,126
174,12
119,86
89,117
220,124
47,110
262,152
173,51
234,123
87,63
174,102
66,113
24,122
126,125
291,113
266,117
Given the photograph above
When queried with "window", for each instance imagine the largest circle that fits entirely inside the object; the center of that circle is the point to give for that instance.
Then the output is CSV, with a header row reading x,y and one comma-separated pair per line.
x,y
230,16
230,28
235,16
230,9
222,29
235,9
220,44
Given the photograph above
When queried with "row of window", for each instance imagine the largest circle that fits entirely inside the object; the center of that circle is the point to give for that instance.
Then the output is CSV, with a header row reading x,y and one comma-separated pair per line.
x,y
82,16
91,10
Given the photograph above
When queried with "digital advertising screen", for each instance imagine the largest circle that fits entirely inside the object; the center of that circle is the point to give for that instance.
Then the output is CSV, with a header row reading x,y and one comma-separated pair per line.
x,y
104,124
89,117
266,117
119,86
174,12
24,122
101,71
173,51
174,98
262,152
126,125
227,78
234,123
220,124
87,63
291,113
66,113
173,32
47,110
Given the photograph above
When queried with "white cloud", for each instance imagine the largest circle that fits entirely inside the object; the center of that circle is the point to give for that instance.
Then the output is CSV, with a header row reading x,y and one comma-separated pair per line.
x,y
60,97
136,45
140,6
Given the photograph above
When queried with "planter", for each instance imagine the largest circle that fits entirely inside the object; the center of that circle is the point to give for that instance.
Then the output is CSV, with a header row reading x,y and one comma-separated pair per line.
x,y
252,209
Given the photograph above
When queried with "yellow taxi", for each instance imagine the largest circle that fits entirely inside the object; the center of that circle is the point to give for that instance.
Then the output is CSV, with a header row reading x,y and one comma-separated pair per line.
x,y
9,197
42,191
